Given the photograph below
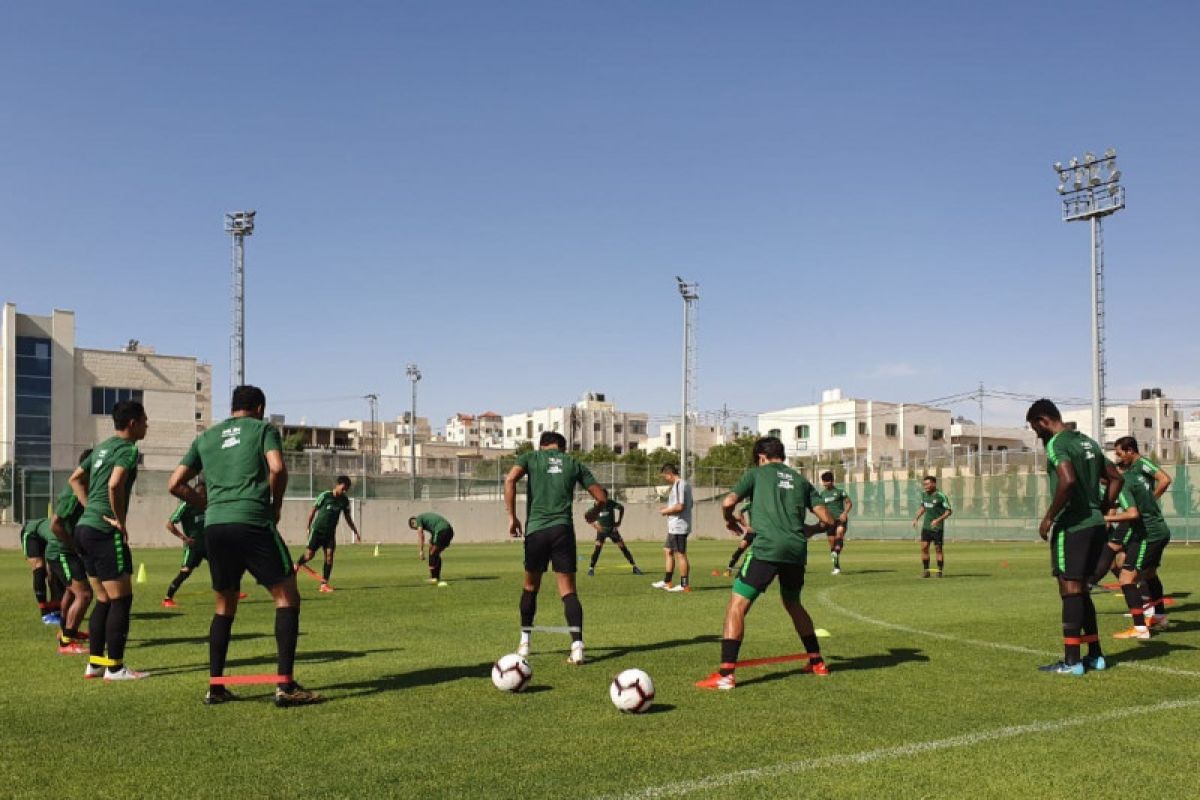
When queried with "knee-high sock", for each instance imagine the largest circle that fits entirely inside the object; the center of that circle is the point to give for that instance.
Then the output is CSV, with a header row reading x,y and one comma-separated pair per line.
x,y
39,586
327,572
435,566
628,555
175,584
287,632
1091,627
573,611
729,655
97,627
1133,599
528,608
1072,624
596,555
1156,594
218,644
117,630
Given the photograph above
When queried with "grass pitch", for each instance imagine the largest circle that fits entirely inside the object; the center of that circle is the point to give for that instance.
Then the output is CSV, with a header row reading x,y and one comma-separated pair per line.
x,y
933,691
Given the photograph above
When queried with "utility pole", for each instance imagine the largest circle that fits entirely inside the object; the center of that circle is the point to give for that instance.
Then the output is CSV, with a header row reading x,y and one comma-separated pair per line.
x,y
373,403
239,225
414,375
690,292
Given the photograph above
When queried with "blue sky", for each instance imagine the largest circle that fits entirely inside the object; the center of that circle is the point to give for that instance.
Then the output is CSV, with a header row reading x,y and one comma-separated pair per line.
x,y
503,192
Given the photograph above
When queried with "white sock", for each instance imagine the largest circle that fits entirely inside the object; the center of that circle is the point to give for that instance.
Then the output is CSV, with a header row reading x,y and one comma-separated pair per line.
x,y
524,637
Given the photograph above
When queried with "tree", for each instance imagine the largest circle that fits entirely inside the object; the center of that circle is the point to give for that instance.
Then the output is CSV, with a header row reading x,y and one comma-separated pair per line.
x,y
294,442
524,447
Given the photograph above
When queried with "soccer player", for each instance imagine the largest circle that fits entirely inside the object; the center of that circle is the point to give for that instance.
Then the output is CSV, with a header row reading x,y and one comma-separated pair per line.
x,y
549,529
192,536
1144,548
323,517
839,504
242,460
440,536
608,521
65,562
742,516
103,483
678,512
781,499
1074,526
33,547
935,508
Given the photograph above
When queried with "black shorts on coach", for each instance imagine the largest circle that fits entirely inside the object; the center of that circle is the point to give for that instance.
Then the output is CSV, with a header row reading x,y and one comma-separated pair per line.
x,y
554,546
105,555
234,549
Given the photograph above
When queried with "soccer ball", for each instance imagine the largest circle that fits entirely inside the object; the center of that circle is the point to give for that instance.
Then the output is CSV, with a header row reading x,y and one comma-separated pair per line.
x,y
632,691
511,673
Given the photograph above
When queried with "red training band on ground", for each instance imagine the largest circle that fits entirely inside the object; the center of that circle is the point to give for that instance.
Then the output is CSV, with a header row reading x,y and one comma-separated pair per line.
x,y
230,680
758,662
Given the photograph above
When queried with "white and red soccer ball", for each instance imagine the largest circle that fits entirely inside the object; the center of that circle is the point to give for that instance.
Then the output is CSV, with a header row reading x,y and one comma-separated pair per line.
x,y
632,691
511,673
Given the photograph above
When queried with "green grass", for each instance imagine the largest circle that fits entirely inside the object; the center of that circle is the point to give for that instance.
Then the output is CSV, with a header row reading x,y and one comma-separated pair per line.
x,y
412,712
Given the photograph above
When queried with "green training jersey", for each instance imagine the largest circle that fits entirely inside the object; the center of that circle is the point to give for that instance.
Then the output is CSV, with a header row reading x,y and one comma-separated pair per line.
x,y
834,500
935,504
606,518
108,455
1139,491
329,508
781,498
1146,467
436,524
552,478
67,508
1082,510
233,456
41,529
191,520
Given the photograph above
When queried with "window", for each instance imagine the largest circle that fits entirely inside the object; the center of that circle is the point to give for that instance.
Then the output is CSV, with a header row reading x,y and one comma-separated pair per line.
x,y
801,431
595,427
104,398
198,415
862,429
617,449
918,430
199,386
668,438
837,429
1110,422
774,432
32,406
540,427
633,446
618,428
1149,423
939,434
891,429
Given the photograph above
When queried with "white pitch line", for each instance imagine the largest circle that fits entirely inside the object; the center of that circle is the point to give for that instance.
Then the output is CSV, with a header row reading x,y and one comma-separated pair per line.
x,y
915,748
823,597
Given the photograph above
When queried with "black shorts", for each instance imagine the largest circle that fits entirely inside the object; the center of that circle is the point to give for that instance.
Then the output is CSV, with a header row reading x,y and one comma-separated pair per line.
x,y
322,541
234,548
193,554
105,555
676,542
442,540
937,537
1074,556
67,567
554,546
1143,555
613,536
756,575
32,545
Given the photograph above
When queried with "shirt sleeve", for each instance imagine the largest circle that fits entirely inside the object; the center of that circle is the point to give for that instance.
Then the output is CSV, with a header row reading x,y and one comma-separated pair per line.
x,y
128,457
585,477
1052,454
178,514
945,501
1147,468
812,498
1123,499
617,506
745,485
191,459
272,439
320,499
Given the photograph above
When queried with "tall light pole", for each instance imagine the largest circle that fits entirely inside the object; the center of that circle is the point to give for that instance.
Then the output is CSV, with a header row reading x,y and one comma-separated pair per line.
x,y
239,225
690,292
373,403
1091,190
414,375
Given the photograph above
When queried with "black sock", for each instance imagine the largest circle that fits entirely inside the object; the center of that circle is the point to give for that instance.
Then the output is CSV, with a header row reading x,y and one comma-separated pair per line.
x,y
287,632
218,644
812,647
628,555
595,556
1156,594
1106,559
925,563
301,561
435,566
326,572
942,565
733,559
97,625
1133,599
668,576
39,586
175,584
683,581
1072,624
528,608
573,611
729,655
116,632
1091,628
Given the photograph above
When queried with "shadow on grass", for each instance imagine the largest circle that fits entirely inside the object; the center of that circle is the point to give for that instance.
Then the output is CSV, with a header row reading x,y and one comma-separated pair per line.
x,y
1148,651
894,657
658,708
620,652
153,615
952,575
169,640
852,571
431,676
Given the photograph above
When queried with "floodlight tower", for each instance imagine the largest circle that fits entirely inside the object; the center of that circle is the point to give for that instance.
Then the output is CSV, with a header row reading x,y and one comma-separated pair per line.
x,y
690,292
373,404
414,375
239,225
1091,190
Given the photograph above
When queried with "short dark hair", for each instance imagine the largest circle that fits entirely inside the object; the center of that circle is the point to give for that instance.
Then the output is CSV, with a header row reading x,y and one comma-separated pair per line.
x,y
553,438
1127,443
344,480
670,469
1043,408
248,398
770,447
412,523
126,412
827,476
84,456
929,478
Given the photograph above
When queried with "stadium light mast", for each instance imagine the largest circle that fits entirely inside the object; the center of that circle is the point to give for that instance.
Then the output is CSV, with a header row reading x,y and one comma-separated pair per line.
x,y
1091,190
414,375
373,404
239,225
690,292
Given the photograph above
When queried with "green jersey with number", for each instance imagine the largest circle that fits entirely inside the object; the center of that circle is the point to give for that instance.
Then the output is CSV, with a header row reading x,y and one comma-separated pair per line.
x,y
233,456
1139,492
834,500
107,456
781,498
191,520
1082,510
935,503
330,508
606,518
553,476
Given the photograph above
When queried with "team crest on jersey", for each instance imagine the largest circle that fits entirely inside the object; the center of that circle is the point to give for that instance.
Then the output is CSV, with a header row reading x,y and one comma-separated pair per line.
x,y
555,465
785,481
230,437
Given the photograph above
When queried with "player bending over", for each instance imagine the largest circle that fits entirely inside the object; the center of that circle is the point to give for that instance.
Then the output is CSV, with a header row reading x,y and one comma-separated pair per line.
x,y
323,517
839,505
62,557
781,497
33,547
440,536
608,521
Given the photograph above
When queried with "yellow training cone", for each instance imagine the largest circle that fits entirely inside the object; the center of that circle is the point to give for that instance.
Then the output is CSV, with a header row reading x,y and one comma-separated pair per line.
x,y
822,633
141,576
377,548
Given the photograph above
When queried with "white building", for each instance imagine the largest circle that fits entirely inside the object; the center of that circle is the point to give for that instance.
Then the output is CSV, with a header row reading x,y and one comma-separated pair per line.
x,y
965,437
863,430
1153,420
701,438
1191,435
386,430
589,423
484,430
